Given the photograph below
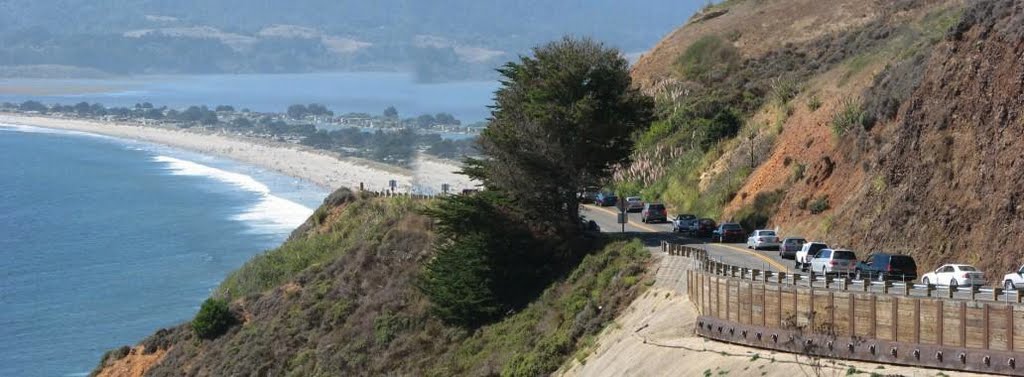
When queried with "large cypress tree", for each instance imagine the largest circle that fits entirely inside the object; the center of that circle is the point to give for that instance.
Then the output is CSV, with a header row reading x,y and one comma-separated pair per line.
x,y
562,119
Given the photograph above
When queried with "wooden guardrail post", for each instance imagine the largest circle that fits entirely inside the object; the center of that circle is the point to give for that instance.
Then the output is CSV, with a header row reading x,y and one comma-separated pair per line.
x,y
939,328
1009,328
963,324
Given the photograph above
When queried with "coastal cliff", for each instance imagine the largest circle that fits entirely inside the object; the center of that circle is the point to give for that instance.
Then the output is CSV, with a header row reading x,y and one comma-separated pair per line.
x,y
340,298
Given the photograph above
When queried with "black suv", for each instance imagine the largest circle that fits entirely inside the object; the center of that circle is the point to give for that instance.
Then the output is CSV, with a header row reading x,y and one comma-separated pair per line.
x,y
886,266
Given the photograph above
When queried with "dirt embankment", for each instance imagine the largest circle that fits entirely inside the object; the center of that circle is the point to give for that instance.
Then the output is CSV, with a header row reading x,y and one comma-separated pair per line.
x,y
950,177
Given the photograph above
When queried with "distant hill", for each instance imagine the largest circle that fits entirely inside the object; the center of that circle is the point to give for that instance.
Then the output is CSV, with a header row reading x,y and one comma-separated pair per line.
x,y
449,39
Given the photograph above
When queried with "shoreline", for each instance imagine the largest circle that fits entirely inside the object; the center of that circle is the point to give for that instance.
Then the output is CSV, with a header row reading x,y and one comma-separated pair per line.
x,y
318,167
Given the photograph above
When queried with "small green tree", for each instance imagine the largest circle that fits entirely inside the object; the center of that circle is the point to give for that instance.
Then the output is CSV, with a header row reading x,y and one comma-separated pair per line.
x,y
213,320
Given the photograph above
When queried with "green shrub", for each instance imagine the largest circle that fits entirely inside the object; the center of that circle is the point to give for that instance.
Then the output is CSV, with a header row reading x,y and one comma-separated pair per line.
x,y
709,59
819,205
814,103
488,259
213,320
782,90
756,214
850,116
798,172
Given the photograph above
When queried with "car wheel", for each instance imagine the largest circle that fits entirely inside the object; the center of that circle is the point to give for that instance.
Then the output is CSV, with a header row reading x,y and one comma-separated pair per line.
x,y
1008,286
926,281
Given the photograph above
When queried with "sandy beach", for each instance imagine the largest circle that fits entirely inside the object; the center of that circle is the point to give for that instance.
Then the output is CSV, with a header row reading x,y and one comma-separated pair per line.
x,y
322,168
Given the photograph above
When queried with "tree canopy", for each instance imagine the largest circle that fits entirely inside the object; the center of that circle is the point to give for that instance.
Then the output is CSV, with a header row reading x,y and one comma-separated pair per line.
x,y
562,119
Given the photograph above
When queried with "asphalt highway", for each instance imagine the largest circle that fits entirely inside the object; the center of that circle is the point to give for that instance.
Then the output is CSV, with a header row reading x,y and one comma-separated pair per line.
x,y
653,234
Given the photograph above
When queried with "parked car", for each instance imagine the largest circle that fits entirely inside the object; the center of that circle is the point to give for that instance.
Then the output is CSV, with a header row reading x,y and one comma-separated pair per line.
x,y
589,225
887,266
789,246
834,262
763,238
606,200
955,275
654,212
728,232
807,251
634,204
703,227
589,196
1014,280
682,223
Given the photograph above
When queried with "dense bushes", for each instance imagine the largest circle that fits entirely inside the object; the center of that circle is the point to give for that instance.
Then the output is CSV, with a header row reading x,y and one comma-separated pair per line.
x,y
213,320
540,338
709,59
851,116
757,214
488,261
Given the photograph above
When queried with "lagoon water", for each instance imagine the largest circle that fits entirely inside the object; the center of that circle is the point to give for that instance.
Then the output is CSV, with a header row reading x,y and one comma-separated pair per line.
x,y
366,92
103,241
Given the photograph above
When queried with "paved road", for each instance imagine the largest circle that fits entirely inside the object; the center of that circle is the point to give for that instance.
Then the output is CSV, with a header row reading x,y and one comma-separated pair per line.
x,y
653,234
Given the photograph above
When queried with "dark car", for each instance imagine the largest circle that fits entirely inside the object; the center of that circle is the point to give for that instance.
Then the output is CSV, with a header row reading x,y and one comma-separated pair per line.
x,y
589,195
705,227
789,247
654,212
729,232
606,200
886,266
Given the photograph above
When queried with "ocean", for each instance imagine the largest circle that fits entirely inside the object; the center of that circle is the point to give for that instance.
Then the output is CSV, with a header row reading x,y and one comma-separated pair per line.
x,y
104,240
364,92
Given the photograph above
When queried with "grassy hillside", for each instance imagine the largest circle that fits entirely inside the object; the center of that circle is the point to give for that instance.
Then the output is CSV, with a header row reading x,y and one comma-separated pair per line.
x,y
871,125
340,298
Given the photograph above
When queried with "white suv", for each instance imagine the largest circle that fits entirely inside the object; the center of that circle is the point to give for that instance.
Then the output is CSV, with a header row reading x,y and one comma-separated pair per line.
x,y
803,257
1014,280
834,262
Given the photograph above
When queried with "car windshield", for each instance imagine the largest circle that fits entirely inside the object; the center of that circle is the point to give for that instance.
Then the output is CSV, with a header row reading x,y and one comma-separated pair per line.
x,y
967,268
766,233
844,254
731,226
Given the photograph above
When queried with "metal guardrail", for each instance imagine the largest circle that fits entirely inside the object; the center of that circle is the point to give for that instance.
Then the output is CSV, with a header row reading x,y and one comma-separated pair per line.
x,y
842,283
966,330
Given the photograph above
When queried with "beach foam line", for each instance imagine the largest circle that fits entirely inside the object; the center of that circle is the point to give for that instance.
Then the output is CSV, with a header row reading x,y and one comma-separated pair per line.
x,y
271,213
51,131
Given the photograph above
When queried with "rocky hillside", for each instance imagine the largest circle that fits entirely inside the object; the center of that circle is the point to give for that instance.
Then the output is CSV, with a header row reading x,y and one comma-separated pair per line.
x,y
879,125
340,298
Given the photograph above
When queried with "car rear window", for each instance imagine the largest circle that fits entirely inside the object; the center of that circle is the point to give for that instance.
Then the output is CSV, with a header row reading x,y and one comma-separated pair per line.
x,y
902,261
731,226
844,254
656,206
968,268
792,241
767,233
815,247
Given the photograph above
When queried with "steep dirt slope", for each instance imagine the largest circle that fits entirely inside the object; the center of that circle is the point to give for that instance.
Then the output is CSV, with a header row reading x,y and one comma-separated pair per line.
x,y
950,179
906,137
